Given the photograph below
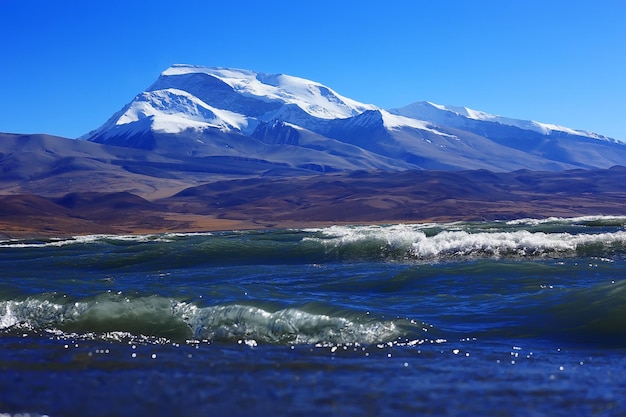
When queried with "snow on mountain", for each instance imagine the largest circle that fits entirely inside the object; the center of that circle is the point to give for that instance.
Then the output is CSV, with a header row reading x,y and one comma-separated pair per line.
x,y
175,110
440,114
314,98
395,122
230,100
188,97
293,122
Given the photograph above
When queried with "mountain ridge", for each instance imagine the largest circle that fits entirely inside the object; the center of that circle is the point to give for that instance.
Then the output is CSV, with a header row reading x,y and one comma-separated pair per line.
x,y
257,150
195,108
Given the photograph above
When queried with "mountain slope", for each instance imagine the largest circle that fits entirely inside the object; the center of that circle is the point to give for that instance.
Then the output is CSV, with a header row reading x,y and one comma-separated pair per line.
x,y
291,122
51,166
410,196
572,148
460,116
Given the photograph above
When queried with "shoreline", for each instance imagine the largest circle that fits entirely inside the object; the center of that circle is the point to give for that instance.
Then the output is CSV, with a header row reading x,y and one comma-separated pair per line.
x,y
206,224
323,200
189,223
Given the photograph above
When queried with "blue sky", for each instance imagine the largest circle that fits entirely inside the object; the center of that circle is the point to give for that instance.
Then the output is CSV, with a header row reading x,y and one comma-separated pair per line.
x,y
67,66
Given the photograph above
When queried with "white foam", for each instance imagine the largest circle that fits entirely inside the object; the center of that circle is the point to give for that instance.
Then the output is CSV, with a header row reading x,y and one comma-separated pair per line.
x,y
96,239
395,236
34,313
287,326
461,243
456,242
566,220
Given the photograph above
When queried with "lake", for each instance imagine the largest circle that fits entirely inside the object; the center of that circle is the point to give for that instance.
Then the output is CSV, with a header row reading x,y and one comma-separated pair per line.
x,y
517,318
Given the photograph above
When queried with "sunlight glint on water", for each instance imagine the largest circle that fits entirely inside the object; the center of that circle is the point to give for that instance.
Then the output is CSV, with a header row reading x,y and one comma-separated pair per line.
x,y
518,318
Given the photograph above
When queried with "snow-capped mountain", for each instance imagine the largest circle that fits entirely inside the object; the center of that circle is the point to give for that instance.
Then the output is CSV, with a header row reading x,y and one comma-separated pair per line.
x,y
232,100
289,121
455,115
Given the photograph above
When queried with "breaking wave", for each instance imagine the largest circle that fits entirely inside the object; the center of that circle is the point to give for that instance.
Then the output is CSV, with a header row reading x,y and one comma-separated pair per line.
x,y
160,317
95,239
433,243
525,238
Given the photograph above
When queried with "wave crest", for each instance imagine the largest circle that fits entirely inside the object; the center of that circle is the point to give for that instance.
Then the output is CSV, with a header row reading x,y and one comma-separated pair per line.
x,y
432,243
166,318
232,322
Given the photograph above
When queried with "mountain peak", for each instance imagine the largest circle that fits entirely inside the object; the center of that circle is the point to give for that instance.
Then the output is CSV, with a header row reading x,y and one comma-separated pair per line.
x,y
292,121
312,97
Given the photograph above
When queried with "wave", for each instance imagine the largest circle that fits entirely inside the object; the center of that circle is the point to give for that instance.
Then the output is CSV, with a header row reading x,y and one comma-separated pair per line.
x,y
97,239
512,244
595,315
169,319
420,243
526,239
290,325
582,220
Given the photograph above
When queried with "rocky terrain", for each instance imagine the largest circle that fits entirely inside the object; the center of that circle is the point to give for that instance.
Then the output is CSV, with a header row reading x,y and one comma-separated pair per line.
x,y
217,148
342,198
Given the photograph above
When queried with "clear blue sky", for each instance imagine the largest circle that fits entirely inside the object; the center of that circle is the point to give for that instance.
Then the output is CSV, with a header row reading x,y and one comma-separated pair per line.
x,y
67,66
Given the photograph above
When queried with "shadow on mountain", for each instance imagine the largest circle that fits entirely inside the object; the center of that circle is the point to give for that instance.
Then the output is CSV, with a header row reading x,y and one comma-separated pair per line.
x,y
57,186
410,196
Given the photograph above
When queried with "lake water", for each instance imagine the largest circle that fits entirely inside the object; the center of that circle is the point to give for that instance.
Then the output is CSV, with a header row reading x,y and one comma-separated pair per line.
x,y
515,318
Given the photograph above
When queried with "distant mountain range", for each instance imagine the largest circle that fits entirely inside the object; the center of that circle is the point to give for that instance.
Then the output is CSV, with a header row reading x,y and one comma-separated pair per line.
x,y
216,148
294,123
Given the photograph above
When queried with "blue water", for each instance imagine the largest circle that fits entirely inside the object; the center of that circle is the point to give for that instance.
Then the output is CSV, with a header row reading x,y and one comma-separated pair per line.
x,y
493,319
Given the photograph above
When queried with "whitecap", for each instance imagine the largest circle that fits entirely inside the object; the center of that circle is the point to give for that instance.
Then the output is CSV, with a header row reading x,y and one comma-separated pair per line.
x,y
291,325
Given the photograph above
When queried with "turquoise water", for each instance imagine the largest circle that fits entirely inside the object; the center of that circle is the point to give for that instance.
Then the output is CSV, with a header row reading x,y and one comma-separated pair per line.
x,y
504,318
